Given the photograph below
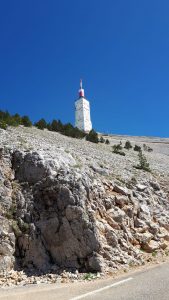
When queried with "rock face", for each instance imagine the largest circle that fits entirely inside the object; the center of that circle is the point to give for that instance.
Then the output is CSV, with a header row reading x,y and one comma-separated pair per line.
x,y
57,211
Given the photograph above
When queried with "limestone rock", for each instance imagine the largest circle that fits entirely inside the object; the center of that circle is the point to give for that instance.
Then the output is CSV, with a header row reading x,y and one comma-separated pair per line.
x,y
151,246
58,212
141,187
121,201
121,190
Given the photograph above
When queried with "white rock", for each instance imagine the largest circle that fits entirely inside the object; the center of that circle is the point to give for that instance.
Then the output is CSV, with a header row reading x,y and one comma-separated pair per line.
x,y
141,187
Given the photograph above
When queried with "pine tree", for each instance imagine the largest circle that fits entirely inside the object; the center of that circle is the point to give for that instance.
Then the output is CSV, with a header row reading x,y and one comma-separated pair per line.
x,y
143,163
102,140
54,125
117,149
3,125
92,136
26,121
128,145
107,142
137,148
41,124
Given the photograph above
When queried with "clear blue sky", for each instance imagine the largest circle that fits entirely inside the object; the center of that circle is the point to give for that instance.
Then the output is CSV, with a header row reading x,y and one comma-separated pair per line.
x,y
119,47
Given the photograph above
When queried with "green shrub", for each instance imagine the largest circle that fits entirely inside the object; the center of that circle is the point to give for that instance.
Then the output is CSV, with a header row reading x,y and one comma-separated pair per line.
x,y
26,121
14,120
10,214
66,129
3,125
107,142
154,253
102,140
147,148
41,124
16,228
56,125
128,145
143,163
117,149
24,227
89,276
137,148
92,136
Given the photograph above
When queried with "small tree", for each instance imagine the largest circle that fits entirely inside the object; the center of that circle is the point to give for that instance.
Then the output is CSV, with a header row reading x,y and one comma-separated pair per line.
x,y
68,130
26,121
137,148
49,126
60,126
54,126
3,125
41,124
117,149
143,163
92,136
128,145
147,148
107,142
102,140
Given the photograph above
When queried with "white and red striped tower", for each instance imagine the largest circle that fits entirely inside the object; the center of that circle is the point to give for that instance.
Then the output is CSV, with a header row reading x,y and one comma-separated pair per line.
x,y
82,111
81,90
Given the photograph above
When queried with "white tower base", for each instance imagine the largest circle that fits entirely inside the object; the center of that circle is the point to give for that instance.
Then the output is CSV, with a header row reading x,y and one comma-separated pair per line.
x,y
82,114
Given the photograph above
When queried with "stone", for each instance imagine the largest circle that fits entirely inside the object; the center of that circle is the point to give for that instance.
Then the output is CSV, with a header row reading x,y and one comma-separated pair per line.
x,y
155,185
29,167
140,223
117,214
164,245
145,209
141,187
144,238
121,190
95,263
151,246
121,200
73,212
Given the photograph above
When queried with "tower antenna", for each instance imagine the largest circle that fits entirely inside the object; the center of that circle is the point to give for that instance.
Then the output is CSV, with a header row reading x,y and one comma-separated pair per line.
x,y
80,83
81,90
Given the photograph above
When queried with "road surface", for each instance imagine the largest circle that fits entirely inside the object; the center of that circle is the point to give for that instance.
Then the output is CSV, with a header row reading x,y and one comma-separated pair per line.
x,y
150,284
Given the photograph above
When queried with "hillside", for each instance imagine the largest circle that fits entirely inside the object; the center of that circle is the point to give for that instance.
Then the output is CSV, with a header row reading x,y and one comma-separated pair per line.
x,y
71,204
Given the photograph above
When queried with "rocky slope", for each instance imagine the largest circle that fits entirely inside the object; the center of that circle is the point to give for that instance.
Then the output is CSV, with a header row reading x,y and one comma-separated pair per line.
x,y
70,204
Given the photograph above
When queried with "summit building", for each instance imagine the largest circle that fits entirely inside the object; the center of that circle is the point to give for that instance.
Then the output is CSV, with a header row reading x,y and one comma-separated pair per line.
x,y
82,111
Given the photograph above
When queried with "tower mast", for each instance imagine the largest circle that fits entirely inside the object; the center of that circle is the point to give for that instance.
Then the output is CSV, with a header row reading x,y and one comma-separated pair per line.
x,y
81,90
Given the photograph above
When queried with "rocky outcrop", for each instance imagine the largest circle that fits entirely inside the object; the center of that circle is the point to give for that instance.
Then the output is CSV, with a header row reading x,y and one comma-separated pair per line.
x,y
57,215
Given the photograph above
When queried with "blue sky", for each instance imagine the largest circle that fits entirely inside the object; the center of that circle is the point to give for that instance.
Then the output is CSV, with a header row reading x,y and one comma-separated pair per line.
x,y
120,48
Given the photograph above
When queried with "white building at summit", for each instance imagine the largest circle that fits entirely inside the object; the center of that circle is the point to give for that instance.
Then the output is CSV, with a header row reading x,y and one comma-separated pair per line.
x,y
82,112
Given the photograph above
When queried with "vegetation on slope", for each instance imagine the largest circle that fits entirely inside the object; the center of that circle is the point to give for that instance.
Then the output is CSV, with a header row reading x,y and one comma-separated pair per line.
x,y
6,119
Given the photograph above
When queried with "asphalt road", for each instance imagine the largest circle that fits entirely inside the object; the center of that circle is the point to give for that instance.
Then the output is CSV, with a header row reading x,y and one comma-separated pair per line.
x,y
150,284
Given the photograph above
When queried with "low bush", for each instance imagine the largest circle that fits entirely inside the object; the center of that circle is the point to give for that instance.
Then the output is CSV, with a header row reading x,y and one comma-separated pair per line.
x,y
128,145
117,149
137,148
92,136
107,142
102,140
41,124
143,163
147,148
3,125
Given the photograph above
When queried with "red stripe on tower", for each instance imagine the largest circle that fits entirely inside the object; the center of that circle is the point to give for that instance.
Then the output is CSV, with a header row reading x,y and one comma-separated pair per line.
x,y
81,90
